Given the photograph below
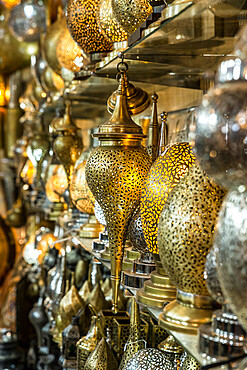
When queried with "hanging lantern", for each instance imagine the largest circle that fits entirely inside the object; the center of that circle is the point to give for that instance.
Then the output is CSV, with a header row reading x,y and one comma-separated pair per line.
x,y
108,24
70,336
148,359
185,236
11,61
130,14
166,172
173,353
115,172
69,54
83,26
28,20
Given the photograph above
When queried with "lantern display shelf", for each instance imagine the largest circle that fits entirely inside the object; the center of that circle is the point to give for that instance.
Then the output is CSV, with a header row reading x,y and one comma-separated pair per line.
x,y
188,341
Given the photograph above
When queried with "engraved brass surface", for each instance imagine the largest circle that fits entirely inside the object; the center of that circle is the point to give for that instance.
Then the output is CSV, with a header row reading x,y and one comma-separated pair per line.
x,y
70,304
83,26
164,175
115,172
108,24
186,229
102,358
130,14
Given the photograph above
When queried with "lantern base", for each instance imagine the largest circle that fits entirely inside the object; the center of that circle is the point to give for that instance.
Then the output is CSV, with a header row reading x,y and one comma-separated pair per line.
x,y
100,244
91,229
187,313
106,254
140,273
156,291
223,337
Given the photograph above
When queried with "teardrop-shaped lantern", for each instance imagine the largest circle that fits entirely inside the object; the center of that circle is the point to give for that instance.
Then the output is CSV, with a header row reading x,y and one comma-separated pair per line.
x,y
115,172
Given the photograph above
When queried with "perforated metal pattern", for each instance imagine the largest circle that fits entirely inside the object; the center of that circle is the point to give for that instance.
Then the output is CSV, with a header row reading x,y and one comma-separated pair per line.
x,y
130,14
69,54
111,28
115,177
81,195
101,358
147,359
83,26
135,232
188,362
164,175
186,228
231,244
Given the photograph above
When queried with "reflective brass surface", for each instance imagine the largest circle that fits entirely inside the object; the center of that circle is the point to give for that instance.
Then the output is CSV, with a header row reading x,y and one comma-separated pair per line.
x,y
153,137
85,290
131,14
17,217
83,26
138,99
186,228
173,353
70,304
97,299
91,229
101,358
164,175
108,24
114,172
12,129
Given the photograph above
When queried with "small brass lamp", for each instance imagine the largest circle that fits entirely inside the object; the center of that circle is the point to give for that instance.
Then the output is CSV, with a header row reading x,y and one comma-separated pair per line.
x,y
83,26
83,198
185,236
68,144
71,335
115,172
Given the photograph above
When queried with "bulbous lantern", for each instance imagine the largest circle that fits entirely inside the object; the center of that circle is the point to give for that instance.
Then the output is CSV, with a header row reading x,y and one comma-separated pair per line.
x,y
115,172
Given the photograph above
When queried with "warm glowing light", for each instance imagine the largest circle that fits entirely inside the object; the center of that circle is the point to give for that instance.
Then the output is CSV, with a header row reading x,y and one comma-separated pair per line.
x,y
2,92
28,173
10,3
56,183
44,243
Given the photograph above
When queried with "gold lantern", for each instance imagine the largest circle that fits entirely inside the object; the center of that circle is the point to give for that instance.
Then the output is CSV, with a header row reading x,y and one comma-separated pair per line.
x,y
115,172
68,144
83,26
185,236
101,358
110,27
130,14
69,54
83,198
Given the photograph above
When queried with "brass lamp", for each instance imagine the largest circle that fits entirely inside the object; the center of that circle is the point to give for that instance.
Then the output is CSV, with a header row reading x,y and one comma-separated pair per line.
x,y
109,25
185,236
83,198
130,14
68,144
115,172
83,26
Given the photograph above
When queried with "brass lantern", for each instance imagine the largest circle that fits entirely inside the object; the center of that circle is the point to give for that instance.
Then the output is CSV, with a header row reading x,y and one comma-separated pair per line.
x,y
69,54
185,236
83,198
130,14
83,26
115,172
68,144
109,25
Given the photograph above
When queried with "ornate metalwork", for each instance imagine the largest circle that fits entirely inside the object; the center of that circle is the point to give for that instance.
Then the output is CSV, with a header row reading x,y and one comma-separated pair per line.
x,y
186,228
130,14
173,353
230,242
102,358
83,26
70,336
188,362
147,359
211,277
135,232
164,175
115,172
69,54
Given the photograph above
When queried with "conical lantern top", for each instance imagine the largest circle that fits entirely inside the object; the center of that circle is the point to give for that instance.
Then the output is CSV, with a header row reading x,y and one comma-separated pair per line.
x,y
120,125
65,124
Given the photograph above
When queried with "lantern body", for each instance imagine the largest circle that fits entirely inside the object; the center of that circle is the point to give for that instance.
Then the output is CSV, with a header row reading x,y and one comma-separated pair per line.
x,y
108,24
83,26
130,14
186,228
164,175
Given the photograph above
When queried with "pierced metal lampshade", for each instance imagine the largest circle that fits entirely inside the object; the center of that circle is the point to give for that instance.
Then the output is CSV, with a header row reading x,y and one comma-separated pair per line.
x,y
165,173
108,24
69,54
83,26
9,61
185,236
28,20
115,172
147,359
130,14
101,358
